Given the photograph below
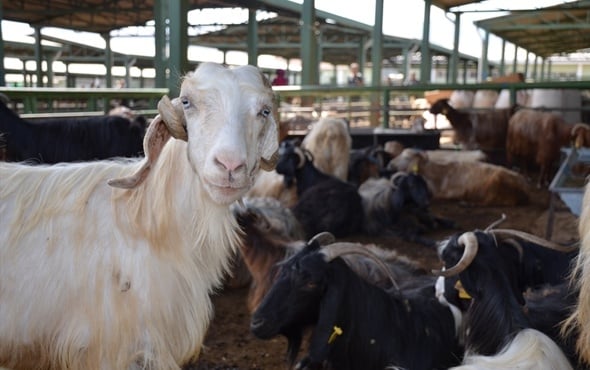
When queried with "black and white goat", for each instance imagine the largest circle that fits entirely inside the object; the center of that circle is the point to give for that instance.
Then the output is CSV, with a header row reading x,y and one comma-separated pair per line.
x,y
400,206
501,330
357,325
70,139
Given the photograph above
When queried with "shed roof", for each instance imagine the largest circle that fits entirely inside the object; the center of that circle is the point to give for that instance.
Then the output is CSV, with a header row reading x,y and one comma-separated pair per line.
x,y
558,29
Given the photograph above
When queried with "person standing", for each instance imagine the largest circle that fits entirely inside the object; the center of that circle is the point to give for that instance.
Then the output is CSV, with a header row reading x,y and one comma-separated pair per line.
x,y
356,77
280,79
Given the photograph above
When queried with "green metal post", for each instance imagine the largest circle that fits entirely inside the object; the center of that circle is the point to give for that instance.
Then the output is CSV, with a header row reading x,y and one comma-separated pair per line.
x,y
2,69
484,70
426,62
515,61
454,61
160,16
108,62
310,64
252,37
178,62
503,59
376,49
38,56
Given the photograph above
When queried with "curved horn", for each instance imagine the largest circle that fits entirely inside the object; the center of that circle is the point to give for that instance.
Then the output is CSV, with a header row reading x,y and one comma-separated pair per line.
x,y
172,114
335,250
155,138
469,242
395,177
509,233
301,155
323,238
496,223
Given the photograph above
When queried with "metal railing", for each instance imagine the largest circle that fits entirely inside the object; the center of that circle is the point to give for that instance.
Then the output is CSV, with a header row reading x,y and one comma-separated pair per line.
x,y
379,106
53,102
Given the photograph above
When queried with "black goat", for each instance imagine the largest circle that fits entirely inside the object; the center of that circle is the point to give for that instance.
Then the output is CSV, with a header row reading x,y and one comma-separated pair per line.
x,y
356,324
498,316
296,166
325,202
72,139
400,206
331,205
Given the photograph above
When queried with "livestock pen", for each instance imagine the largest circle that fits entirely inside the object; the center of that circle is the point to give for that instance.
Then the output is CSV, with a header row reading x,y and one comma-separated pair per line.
x,y
229,345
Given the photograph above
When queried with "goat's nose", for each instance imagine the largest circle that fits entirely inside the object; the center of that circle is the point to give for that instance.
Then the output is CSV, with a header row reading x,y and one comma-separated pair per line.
x,y
229,163
256,323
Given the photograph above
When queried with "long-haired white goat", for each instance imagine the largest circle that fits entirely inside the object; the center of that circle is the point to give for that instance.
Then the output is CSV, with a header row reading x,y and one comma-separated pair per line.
x,y
329,142
117,275
579,322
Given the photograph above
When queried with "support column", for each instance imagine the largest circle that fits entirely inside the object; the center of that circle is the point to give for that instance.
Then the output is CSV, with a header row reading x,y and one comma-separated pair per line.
x,y
2,69
178,61
503,59
108,63
38,56
252,37
454,61
426,61
484,65
309,60
160,17
377,49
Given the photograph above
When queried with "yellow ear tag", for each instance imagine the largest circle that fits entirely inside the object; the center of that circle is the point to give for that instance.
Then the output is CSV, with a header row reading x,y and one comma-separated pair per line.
x,y
462,293
415,168
337,331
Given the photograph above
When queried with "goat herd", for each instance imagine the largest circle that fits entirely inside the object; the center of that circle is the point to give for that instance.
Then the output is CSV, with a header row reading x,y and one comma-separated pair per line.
x,y
110,263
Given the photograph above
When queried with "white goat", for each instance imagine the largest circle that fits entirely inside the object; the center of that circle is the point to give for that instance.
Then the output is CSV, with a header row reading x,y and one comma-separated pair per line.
x,y
105,277
579,321
528,350
329,142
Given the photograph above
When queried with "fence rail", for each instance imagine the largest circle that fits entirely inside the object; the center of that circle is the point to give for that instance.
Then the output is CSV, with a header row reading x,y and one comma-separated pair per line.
x,y
386,106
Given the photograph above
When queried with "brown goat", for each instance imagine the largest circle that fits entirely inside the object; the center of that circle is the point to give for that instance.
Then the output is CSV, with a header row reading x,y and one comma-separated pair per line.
x,y
484,130
535,138
271,233
476,183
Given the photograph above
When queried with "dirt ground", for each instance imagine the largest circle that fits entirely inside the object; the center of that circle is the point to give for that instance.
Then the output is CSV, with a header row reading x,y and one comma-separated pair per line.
x,y
230,346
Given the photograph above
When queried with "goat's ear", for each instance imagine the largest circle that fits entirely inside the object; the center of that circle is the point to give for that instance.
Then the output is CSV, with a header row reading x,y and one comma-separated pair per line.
x,y
269,145
172,115
156,136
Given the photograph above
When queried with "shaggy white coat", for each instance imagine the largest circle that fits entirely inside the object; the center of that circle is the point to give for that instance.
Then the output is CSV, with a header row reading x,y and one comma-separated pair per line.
x,y
97,277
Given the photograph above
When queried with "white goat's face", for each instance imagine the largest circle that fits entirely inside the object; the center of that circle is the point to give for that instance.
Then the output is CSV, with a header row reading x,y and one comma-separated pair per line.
x,y
229,115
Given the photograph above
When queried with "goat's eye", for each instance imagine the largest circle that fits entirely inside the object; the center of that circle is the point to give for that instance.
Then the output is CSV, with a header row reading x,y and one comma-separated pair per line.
x,y
265,112
185,102
310,285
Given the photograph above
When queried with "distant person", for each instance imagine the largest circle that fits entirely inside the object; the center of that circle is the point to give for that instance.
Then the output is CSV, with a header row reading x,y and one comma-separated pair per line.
x,y
280,79
356,77
412,80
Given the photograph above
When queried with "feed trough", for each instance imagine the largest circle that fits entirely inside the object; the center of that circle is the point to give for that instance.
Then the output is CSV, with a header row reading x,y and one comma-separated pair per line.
x,y
568,183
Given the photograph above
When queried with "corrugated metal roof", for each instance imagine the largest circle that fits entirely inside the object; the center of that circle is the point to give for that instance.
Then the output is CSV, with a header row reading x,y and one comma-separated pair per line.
x,y
558,29
553,30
